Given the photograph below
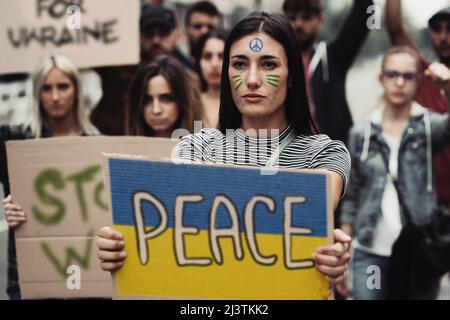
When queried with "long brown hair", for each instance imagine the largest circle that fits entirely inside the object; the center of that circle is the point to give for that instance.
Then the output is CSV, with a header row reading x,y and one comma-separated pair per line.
x,y
185,93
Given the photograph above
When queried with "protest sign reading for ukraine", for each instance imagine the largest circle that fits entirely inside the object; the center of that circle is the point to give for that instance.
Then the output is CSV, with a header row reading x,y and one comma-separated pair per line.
x,y
76,28
218,232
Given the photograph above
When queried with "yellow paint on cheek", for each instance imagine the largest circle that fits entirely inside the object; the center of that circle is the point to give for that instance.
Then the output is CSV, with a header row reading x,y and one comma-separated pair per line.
x,y
273,80
237,82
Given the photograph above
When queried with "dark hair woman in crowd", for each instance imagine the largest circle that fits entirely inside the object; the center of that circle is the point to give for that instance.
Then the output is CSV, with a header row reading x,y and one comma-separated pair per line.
x,y
263,106
209,65
162,99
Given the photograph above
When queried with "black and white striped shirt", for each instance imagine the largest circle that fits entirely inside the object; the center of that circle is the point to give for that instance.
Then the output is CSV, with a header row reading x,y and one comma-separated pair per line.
x,y
211,146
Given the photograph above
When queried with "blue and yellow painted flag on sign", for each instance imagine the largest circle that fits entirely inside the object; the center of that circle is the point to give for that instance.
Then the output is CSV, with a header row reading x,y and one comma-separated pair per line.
x,y
218,232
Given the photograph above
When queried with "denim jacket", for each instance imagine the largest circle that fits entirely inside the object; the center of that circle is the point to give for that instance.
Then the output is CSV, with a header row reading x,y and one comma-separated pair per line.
x,y
426,134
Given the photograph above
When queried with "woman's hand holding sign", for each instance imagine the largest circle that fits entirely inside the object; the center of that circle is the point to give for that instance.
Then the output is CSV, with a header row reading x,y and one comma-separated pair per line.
x,y
14,213
111,249
332,261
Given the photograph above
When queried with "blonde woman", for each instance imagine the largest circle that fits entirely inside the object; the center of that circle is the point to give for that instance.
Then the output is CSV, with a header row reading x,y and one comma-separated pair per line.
x,y
57,111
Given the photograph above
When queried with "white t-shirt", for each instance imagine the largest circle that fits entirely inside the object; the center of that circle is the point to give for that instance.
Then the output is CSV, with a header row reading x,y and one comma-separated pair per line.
x,y
389,225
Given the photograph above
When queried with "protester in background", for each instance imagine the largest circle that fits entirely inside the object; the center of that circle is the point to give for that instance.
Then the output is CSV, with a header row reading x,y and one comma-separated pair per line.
x,y
202,17
58,106
395,147
159,34
58,110
428,94
327,63
109,114
15,98
16,95
209,65
261,92
161,100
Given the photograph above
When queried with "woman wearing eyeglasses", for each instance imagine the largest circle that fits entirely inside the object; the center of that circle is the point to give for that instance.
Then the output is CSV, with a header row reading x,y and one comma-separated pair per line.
x,y
397,144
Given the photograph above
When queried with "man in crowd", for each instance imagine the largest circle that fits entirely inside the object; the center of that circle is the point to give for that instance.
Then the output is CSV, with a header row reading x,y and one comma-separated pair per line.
x,y
159,34
202,17
327,63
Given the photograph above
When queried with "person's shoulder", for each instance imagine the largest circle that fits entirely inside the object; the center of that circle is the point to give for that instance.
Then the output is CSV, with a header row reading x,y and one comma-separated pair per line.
x,y
14,131
206,134
91,131
326,153
198,146
177,54
205,137
359,129
315,140
322,143
317,144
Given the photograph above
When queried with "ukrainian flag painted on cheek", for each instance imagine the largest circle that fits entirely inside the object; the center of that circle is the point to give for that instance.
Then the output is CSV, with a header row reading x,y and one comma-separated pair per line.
x,y
166,273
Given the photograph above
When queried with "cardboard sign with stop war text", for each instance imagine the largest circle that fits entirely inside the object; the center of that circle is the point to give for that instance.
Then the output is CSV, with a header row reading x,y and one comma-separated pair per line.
x,y
59,184
218,232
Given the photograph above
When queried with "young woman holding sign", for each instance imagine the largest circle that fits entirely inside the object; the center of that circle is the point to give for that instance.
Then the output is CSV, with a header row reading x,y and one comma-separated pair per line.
x,y
58,110
161,100
263,107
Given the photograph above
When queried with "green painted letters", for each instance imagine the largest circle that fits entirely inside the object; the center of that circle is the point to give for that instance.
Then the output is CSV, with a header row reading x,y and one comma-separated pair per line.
x,y
52,177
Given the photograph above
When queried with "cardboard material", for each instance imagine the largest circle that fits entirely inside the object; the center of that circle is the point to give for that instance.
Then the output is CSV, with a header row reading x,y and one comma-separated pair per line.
x,y
218,232
59,184
32,28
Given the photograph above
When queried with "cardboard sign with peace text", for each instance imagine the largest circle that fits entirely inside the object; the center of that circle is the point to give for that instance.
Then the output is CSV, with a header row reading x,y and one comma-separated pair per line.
x,y
218,232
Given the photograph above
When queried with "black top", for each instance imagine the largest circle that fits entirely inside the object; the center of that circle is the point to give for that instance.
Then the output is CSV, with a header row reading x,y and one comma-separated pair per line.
x,y
328,84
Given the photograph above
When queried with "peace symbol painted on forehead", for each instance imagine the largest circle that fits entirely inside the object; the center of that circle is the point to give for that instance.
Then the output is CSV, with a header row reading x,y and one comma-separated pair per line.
x,y
256,45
